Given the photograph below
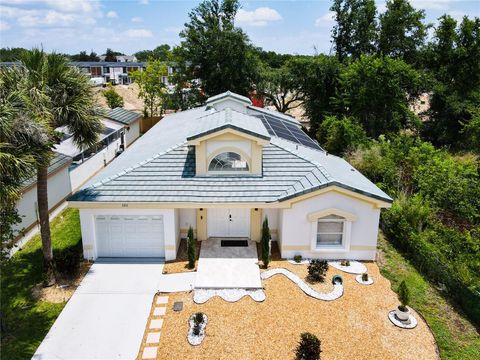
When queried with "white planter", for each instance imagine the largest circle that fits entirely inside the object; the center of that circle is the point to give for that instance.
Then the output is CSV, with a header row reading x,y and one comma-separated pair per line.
x,y
402,315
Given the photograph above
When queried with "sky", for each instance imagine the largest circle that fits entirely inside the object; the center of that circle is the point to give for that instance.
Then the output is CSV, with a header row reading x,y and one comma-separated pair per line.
x,y
285,26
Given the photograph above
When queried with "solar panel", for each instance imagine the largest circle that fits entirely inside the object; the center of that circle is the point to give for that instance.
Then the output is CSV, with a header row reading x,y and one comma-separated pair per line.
x,y
284,130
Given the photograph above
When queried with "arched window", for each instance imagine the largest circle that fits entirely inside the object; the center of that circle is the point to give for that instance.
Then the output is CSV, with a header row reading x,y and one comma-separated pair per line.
x,y
228,161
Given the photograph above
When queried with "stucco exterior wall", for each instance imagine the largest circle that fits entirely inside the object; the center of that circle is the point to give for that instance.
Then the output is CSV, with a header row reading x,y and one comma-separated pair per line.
x,y
89,240
84,171
272,215
187,218
132,133
58,189
297,232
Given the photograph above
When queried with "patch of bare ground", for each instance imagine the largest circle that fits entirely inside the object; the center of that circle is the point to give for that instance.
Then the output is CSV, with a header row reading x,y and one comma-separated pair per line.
x,y
354,326
63,290
180,264
129,93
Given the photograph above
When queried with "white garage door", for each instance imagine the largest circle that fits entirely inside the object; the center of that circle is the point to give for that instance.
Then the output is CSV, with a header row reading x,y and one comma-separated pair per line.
x,y
130,236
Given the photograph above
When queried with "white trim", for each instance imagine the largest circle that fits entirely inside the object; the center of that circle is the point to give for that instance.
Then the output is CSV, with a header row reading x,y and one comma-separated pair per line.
x,y
331,211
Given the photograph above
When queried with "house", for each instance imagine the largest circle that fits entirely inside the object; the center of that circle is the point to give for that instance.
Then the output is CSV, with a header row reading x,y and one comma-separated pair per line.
x,y
121,58
59,188
222,168
73,166
113,72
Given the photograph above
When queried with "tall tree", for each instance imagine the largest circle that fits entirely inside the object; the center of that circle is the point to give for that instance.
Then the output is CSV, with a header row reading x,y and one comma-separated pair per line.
x,y
21,130
152,89
161,52
452,58
214,51
355,30
402,31
68,99
377,91
318,79
280,87
111,56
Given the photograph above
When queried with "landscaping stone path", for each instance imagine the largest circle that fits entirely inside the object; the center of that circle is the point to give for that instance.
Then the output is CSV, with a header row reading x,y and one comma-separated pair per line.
x,y
201,296
334,294
153,333
354,268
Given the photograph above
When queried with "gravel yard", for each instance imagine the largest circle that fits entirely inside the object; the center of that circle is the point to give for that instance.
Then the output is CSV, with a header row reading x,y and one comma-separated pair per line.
x,y
354,326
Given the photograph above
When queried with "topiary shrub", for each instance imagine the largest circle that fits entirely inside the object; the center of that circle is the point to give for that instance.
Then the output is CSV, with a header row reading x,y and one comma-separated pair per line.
x,y
403,295
298,258
198,318
266,237
191,249
317,269
365,277
308,348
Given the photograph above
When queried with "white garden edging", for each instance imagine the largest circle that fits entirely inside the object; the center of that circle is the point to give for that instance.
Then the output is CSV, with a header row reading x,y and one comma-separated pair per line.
x,y
410,324
303,262
334,294
368,282
201,296
354,268
191,337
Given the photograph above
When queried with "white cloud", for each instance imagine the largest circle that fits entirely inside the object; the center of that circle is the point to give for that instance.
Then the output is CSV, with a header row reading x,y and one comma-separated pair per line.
x,y
4,25
431,4
84,6
138,33
136,19
258,17
173,29
326,19
111,14
143,2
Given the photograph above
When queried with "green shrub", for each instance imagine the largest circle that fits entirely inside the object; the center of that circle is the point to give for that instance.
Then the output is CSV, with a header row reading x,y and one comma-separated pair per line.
x,y
338,135
298,258
191,248
345,262
365,277
403,295
317,269
308,348
266,237
113,99
198,318
67,261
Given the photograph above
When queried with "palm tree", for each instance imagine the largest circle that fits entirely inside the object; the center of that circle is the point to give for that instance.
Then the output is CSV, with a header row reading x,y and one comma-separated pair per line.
x,y
70,103
21,129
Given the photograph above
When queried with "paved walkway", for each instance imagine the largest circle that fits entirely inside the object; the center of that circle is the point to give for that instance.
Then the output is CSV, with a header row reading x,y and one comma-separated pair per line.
x,y
227,267
153,333
177,282
106,316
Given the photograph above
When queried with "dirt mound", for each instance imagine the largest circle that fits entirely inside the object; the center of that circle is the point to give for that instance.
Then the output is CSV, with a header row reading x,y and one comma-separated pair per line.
x,y
129,93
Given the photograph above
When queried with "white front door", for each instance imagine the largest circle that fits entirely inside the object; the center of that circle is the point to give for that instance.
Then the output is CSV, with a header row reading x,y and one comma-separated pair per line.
x,y
130,236
228,222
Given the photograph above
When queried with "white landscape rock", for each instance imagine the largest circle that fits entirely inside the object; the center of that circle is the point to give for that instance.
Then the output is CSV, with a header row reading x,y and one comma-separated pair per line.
x,y
354,268
201,296
409,324
360,280
191,337
334,294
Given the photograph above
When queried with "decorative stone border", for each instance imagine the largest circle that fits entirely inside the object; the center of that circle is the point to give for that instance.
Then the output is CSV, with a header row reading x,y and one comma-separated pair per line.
x,y
303,262
333,295
191,337
368,282
409,324
201,296
354,268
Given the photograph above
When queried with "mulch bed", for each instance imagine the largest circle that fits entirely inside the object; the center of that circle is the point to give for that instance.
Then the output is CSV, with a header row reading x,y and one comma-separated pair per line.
x,y
355,326
180,264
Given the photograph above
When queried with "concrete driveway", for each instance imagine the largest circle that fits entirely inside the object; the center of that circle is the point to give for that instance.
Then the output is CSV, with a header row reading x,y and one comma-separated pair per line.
x,y
107,315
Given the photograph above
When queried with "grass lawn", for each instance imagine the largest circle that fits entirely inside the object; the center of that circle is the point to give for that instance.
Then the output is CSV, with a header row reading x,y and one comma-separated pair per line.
x,y
28,320
456,337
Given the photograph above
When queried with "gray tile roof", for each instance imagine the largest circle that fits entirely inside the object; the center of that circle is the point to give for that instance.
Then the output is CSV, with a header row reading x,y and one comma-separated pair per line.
x,y
58,161
216,98
122,115
159,167
228,119
170,177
